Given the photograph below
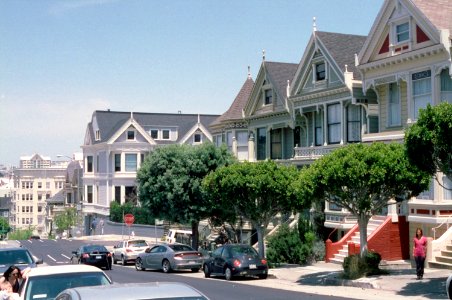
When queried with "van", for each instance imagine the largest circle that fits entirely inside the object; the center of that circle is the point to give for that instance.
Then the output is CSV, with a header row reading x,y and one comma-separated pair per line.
x,y
178,236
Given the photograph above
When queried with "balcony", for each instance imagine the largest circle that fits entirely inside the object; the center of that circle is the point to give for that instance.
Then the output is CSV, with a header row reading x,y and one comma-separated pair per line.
x,y
313,152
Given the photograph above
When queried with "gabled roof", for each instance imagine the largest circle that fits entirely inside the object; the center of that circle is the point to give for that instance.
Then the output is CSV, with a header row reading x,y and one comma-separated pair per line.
x,y
235,110
109,122
342,48
439,12
279,73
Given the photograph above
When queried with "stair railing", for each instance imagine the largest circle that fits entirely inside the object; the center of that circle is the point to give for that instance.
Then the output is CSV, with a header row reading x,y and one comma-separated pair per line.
x,y
446,221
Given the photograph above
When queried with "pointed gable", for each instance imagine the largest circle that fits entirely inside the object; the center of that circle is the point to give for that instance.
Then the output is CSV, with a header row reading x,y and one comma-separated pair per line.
x,y
329,53
269,93
405,26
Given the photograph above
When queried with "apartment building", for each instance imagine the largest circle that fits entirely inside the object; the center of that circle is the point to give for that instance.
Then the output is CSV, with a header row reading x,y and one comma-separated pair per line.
x,y
35,181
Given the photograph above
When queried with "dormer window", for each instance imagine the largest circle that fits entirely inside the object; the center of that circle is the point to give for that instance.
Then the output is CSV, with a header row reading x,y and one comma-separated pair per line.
x,y
402,32
268,97
97,137
130,135
197,138
165,134
154,134
320,71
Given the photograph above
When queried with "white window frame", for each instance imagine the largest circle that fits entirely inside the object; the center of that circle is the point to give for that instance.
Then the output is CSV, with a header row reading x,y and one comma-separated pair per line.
x,y
155,130
394,106
268,100
134,135
97,135
128,167
397,34
417,98
200,138
163,134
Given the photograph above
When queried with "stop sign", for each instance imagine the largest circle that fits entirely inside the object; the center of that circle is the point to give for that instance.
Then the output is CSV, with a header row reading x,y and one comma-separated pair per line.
x,y
129,219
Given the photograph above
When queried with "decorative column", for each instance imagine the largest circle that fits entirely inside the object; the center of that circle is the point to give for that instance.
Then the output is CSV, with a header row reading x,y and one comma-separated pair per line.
x,y
251,148
234,145
392,211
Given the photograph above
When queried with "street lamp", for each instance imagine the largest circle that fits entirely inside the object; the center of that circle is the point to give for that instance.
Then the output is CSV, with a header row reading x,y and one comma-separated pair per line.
x,y
60,156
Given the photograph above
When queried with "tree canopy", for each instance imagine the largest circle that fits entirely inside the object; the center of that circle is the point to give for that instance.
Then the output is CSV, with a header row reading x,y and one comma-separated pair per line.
x,y
429,140
362,178
169,182
66,219
256,191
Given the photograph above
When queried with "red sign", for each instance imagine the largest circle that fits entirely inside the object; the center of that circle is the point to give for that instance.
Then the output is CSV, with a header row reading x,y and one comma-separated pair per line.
x,y
129,219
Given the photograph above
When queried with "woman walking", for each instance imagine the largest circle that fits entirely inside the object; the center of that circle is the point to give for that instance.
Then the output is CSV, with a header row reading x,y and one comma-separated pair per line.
x,y
419,252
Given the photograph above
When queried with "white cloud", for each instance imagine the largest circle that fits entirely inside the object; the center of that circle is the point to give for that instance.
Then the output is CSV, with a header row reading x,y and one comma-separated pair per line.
x,y
65,6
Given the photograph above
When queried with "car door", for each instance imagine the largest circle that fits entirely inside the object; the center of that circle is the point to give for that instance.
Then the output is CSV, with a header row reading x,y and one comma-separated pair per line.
x,y
118,249
151,258
217,261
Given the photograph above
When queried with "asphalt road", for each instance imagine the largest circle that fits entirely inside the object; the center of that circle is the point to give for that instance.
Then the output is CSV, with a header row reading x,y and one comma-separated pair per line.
x,y
59,252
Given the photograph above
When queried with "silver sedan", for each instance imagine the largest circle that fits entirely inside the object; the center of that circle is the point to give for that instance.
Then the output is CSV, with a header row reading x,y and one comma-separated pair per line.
x,y
169,257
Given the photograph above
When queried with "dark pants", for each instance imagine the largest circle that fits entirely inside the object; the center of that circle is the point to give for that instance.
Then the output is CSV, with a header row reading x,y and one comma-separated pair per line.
x,y
419,265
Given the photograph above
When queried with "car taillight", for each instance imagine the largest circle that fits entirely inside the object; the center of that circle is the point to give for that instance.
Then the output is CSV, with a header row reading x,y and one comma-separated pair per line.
x,y
85,255
129,250
178,256
236,263
109,254
264,261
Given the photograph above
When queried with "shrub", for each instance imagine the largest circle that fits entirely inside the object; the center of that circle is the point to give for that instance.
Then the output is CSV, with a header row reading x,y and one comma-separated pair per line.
x,y
356,266
142,215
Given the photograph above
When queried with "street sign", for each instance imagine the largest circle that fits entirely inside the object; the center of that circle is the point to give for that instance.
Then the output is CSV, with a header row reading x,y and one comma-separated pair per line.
x,y
129,219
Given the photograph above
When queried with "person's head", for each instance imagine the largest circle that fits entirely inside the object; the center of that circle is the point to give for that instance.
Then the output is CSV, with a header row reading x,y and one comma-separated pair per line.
x,y
419,232
12,272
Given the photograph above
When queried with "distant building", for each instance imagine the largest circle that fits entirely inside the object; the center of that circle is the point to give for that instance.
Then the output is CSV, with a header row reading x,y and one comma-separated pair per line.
x,y
36,180
116,144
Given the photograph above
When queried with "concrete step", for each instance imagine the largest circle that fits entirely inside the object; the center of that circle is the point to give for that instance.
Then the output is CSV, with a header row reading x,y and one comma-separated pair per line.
x,y
440,265
447,253
336,261
449,247
444,259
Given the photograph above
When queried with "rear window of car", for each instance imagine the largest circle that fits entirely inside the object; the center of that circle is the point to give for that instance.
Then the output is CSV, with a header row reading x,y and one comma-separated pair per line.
x,y
180,248
15,257
137,243
240,250
49,286
95,248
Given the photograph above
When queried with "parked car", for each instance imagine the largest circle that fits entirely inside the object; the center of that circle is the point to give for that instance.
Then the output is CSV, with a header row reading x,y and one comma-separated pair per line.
x,y
128,250
134,291
17,256
47,282
34,237
94,255
178,236
235,260
449,287
169,257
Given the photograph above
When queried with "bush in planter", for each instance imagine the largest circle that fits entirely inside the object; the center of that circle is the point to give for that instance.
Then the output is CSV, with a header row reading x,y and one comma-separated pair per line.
x,y
357,267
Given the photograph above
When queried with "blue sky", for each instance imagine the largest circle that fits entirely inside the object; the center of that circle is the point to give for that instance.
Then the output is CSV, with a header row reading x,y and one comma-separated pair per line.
x,y
62,59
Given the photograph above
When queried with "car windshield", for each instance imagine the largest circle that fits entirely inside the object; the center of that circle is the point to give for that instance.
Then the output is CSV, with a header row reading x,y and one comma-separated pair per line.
x,y
138,244
49,286
181,248
94,248
15,257
241,250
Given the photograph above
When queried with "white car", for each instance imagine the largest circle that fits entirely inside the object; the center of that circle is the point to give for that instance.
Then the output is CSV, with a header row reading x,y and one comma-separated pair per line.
x,y
48,282
134,291
128,250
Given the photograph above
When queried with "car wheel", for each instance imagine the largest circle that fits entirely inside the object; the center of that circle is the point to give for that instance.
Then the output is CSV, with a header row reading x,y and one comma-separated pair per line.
x,y
262,276
123,260
228,273
195,270
166,266
206,271
139,265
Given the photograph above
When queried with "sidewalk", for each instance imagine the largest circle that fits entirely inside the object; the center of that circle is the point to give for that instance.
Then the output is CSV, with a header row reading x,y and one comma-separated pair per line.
x,y
325,278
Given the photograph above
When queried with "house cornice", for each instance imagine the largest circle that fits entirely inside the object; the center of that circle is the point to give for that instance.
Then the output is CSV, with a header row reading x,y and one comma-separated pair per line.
x,y
320,94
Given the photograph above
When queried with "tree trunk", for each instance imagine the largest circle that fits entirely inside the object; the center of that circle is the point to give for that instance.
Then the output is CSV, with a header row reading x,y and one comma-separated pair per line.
x,y
260,239
363,220
195,235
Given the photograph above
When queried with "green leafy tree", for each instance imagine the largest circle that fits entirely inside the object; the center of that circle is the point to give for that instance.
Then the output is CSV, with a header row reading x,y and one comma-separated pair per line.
x,y
169,183
21,234
66,219
429,140
4,226
362,178
256,191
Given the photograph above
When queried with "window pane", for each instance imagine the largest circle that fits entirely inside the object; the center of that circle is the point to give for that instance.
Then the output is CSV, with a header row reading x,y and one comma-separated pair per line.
x,y
131,162
403,32
117,162
421,94
268,96
154,133
242,138
130,135
261,143
394,109
353,123
334,123
276,147
318,128
89,163
165,134
320,71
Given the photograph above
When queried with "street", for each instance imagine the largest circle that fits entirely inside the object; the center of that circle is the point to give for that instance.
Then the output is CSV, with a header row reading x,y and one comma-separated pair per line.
x,y
59,252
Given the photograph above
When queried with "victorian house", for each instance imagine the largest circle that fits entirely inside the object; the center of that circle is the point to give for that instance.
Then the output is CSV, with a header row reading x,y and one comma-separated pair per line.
x,y
116,144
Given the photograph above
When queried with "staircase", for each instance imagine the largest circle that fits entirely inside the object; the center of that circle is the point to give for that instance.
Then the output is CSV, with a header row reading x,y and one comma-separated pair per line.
x,y
373,224
444,260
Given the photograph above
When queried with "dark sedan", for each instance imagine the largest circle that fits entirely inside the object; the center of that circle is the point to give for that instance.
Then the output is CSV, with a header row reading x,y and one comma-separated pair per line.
x,y
94,255
235,260
169,257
